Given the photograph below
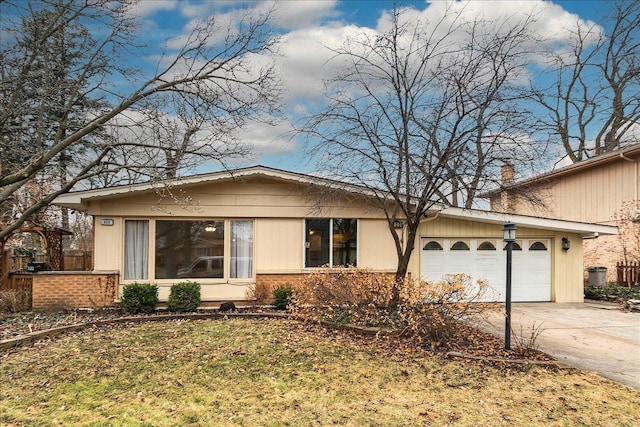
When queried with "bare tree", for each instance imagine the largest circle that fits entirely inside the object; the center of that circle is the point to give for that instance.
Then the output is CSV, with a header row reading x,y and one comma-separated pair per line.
x,y
181,140
421,113
593,104
212,67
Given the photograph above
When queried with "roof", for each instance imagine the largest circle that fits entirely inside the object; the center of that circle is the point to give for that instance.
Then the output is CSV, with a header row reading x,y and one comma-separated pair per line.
x,y
627,153
491,217
79,200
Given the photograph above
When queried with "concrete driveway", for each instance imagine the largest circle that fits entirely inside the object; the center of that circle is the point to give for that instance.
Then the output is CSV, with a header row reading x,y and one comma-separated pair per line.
x,y
597,337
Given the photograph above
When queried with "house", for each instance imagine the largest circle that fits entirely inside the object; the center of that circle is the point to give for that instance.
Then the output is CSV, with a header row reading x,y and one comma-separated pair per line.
x,y
601,190
258,227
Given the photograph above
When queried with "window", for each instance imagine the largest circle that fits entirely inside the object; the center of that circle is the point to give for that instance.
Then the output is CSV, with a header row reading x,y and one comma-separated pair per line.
x,y
331,242
345,242
516,246
241,249
136,249
189,249
537,246
486,246
460,246
432,246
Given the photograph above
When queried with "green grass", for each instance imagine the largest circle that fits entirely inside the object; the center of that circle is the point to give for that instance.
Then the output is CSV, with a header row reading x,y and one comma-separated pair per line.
x,y
278,373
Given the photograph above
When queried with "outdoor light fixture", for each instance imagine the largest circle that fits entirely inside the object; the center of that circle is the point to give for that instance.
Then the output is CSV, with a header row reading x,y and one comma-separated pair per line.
x,y
509,232
566,244
510,238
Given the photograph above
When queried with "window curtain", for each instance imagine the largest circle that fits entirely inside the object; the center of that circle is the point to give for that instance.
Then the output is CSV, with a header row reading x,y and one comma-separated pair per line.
x,y
136,249
241,249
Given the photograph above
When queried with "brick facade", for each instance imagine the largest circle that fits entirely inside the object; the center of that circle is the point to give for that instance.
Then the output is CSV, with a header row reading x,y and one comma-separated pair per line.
x,y
605,251
56,290
265,283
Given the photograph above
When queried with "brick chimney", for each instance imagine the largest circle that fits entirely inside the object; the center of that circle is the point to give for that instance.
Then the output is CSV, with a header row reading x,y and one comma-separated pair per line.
x,y
507,178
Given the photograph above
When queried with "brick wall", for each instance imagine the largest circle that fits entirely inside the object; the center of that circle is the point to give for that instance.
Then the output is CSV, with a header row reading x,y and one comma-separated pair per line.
x,y
265,283
605,251
56,290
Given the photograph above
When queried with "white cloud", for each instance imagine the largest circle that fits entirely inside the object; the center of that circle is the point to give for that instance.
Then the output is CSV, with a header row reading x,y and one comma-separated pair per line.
x,y
304,63
292,15
269,138
147,8
313,28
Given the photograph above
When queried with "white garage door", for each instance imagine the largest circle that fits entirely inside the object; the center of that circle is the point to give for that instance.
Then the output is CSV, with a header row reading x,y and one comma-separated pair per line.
x,y
487,259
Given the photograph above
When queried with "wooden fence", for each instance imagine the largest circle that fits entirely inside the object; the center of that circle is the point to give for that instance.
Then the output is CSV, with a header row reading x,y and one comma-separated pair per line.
x,y
628,274
77,261
16,292
19,282
73,261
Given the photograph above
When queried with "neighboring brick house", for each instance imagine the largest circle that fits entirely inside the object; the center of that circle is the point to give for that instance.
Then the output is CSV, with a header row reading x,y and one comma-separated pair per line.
x,y
603,190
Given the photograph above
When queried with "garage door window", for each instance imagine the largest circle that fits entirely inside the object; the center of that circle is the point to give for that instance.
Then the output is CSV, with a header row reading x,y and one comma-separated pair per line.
x,y
537,246
460,246
486,246
516,246
432,246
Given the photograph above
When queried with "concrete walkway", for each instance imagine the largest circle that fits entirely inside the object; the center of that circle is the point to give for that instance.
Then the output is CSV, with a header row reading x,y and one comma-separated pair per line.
x,y
597,337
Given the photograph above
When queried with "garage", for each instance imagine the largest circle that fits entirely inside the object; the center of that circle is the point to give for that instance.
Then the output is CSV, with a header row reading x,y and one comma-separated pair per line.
x,y
486,258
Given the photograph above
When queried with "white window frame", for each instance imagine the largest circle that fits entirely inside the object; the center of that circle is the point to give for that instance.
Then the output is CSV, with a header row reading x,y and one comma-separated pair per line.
x,y
151,267
331,220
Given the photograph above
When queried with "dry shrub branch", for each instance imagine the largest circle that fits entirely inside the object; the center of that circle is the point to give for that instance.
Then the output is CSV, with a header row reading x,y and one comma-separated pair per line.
x,y
429,310
434,310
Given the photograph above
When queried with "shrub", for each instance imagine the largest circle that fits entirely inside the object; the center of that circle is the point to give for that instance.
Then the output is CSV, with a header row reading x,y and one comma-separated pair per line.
x,y
184,296
259,294
433,310
350,294
15,300
427,310
139,298
612,293
282,296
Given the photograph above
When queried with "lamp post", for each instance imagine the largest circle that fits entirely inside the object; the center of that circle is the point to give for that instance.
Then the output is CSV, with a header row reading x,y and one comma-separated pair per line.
x,y
509,237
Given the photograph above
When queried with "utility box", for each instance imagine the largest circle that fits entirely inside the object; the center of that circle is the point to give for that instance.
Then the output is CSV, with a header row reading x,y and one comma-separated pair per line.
x,y
597,276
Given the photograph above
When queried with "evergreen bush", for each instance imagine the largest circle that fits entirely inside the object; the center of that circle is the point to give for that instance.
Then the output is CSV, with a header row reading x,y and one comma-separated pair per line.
x,y
184,296
282,296
139,298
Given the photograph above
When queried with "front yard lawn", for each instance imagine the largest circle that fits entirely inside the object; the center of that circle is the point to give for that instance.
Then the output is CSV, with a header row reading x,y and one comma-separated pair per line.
x,y
274,372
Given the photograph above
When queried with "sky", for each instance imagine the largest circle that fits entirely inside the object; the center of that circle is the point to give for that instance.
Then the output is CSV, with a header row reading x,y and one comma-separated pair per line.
x,y
308,26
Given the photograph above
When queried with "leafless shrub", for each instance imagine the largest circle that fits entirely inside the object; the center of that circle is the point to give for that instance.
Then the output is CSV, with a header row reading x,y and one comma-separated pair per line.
x,y
15,300
434,309
527,339
345,295
429,310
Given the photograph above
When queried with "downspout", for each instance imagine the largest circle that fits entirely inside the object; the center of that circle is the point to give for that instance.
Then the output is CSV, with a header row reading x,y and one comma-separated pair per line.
x,y
635,171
